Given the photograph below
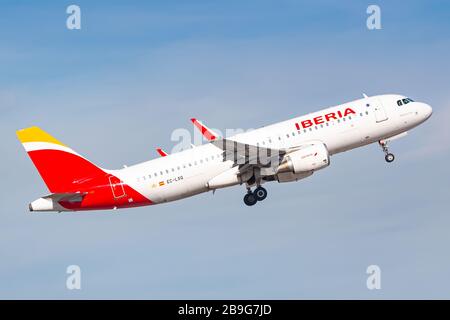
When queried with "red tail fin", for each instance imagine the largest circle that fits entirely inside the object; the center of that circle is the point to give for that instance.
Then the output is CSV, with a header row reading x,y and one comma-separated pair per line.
x,y
61,168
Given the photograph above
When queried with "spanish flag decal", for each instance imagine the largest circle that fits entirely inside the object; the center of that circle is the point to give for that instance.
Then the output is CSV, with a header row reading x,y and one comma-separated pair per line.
x,y
161,183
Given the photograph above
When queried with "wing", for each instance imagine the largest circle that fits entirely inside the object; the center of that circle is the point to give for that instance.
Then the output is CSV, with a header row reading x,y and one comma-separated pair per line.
x,y
247,155
255,160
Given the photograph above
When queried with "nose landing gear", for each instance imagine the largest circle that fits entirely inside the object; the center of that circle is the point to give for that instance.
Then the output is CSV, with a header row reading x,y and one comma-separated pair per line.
x,y
389,157
259,194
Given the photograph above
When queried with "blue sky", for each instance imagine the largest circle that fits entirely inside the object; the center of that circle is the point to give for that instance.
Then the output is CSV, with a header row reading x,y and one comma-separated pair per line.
x,y
136,71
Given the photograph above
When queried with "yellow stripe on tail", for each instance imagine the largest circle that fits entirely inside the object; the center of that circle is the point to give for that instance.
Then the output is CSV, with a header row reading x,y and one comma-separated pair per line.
x,y
36,134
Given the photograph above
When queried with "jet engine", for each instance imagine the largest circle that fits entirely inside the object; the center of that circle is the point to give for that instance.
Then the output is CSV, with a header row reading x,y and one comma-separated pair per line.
x,y
308,159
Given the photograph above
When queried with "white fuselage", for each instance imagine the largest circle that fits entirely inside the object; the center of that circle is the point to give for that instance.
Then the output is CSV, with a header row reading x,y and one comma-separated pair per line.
x,y
187,173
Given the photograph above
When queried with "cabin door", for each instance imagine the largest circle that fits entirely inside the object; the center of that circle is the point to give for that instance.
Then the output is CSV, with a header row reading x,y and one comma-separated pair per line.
x,y
117,187
380,112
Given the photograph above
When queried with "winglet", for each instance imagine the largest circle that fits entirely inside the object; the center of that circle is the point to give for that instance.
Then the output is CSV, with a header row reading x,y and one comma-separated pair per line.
x,y
365,95
206,132
161,152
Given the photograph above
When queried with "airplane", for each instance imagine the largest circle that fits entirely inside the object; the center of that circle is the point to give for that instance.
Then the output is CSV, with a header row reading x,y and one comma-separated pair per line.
x,y
286,151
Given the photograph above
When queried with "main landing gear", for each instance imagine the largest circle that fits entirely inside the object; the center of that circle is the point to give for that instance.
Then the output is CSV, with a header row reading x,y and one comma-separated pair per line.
x,y
389,157
259,194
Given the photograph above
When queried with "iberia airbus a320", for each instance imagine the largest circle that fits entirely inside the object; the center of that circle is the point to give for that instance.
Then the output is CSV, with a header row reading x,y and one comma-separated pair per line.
x,y
286,151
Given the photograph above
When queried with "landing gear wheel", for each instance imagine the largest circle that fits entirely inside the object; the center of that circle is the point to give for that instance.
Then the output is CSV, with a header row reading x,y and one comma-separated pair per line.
x,y
389,157
250,199
260,193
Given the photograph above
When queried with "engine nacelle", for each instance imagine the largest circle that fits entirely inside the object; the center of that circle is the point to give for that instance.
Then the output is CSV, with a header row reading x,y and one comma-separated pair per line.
x,y
290,176
308,159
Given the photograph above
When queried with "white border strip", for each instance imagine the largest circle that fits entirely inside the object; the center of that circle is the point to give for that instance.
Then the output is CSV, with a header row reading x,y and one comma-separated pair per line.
x,y
34,146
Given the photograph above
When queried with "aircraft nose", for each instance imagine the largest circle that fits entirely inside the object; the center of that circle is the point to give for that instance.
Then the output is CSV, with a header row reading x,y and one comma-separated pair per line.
x,y
427,110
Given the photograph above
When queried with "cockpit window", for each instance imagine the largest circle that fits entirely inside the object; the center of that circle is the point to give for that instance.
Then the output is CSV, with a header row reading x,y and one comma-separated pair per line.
x,y
404,101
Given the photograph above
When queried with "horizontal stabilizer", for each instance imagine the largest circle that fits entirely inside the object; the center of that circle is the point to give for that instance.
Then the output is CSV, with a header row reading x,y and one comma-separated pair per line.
x,y
52,201
72,197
